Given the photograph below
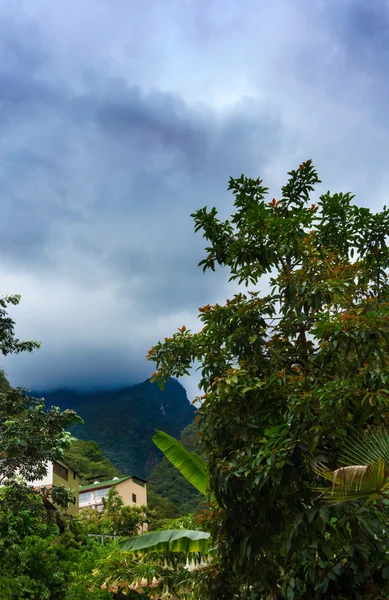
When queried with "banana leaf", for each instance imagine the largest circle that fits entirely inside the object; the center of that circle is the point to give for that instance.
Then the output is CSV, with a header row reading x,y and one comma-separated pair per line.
x,y
181,540
190,465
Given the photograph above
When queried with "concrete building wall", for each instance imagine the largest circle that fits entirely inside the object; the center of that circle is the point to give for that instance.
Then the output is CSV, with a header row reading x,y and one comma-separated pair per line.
x,y
59,474
66,477
132,493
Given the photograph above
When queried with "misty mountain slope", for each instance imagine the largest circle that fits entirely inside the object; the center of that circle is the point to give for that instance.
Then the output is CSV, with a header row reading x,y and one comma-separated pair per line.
x,y
123,421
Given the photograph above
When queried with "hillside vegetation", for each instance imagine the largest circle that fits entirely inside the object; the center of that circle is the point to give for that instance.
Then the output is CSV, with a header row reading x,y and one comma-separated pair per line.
x,y
123,422
86,457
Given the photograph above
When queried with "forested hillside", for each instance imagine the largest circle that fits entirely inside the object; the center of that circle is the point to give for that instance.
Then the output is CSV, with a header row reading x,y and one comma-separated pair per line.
x,y
123,422
86,457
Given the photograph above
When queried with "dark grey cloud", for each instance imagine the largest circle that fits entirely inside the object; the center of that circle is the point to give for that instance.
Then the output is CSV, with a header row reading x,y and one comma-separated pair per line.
x,y
118,120
133,149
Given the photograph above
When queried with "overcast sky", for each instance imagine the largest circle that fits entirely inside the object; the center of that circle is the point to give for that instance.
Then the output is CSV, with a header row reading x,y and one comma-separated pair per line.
x,y
118,118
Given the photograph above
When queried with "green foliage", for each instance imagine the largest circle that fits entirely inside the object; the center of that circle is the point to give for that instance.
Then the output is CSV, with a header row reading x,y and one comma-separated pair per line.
x,y
168,575
356,482
30,435
287,377
189,464
189,437
4,383
372,445
162,506
30,565
168,483
81,563
182,540
170,562
123,422
36,562
9,344
367,477
185,522
86,457
116,518
109,571
174,536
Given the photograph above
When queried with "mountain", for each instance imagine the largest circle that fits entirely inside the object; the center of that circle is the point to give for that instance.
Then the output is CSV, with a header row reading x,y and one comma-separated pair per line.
x,y
168,483
122,422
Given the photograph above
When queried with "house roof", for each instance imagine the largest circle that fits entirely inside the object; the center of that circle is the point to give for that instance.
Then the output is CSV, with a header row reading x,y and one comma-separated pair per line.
x,y
101,484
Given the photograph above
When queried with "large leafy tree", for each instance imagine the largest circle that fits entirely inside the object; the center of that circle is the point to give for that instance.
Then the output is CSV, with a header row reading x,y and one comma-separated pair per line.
x,y
30,435
287,376
31,566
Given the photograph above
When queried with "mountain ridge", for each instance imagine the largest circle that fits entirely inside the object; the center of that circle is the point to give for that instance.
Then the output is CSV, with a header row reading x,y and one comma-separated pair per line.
x,y
123,421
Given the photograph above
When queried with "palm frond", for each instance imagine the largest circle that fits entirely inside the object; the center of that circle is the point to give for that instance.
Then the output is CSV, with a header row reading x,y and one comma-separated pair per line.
x,y
354,482
370,447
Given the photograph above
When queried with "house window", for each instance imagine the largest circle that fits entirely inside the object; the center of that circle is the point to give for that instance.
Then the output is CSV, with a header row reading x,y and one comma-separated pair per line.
x,y
61,471
99,494
86,497
134,498
74,475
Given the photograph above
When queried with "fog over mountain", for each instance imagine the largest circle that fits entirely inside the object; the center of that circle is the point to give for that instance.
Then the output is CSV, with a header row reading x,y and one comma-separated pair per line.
x,y
115,128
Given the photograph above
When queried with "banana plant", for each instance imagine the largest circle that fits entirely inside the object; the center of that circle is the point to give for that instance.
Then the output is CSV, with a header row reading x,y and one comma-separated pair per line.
x,y
365,471
193,468
181,540
190,464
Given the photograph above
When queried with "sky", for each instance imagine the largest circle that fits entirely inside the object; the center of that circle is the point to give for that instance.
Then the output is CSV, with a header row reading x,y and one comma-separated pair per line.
x,y
118,119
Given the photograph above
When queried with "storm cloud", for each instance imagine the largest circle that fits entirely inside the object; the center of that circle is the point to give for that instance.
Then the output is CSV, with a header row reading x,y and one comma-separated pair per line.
x,y
119,119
